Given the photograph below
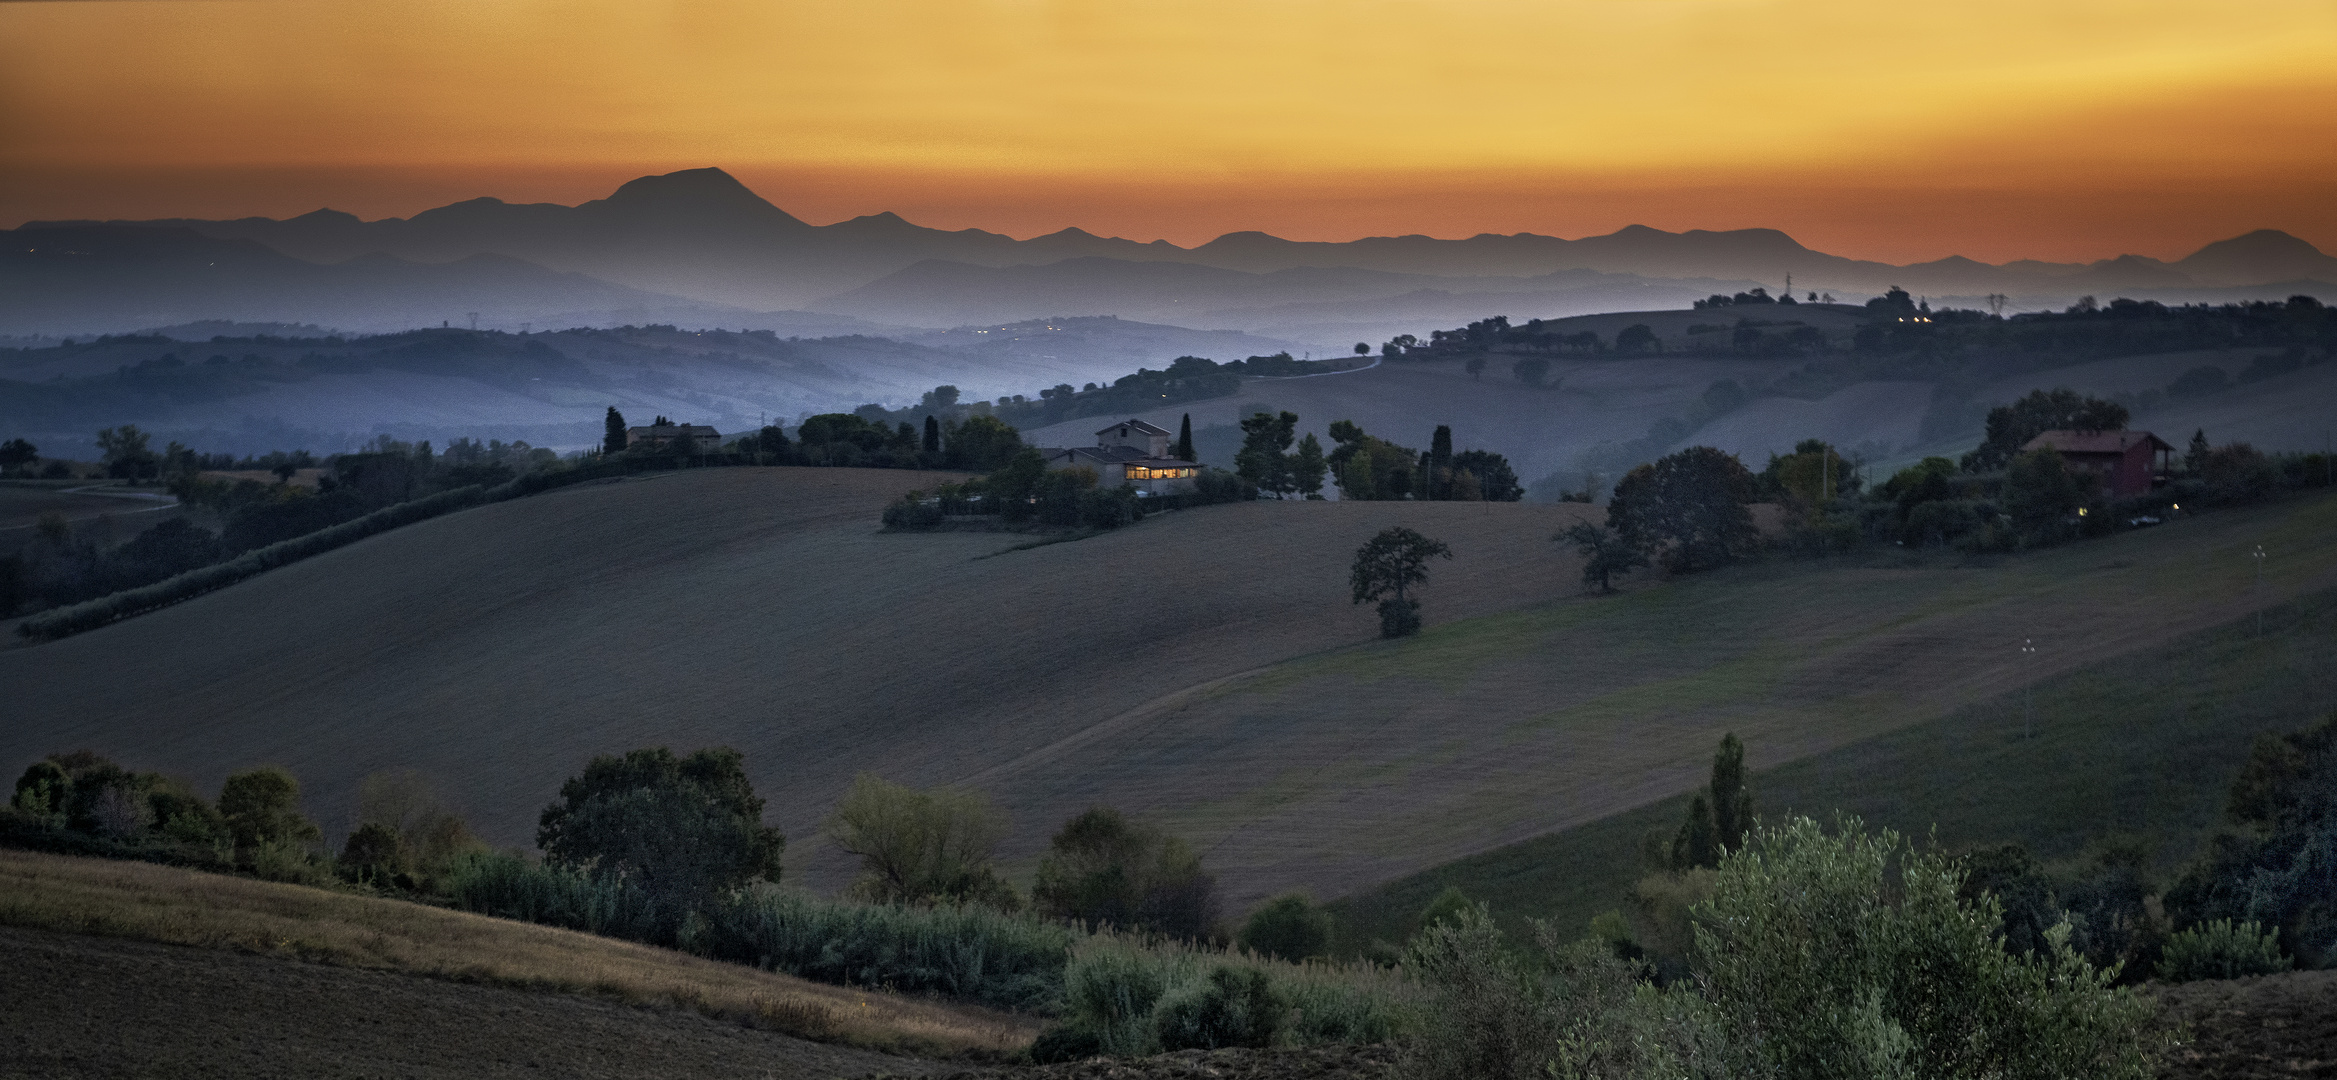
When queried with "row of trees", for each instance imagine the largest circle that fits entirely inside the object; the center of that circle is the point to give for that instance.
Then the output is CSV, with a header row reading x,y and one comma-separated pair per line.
x,y
1367,468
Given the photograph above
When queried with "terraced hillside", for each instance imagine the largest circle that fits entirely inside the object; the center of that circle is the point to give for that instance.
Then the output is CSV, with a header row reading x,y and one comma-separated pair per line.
x,y
1204,667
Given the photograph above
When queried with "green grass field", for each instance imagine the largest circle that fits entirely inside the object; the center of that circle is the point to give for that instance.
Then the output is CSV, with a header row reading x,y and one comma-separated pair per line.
x,y
2141,746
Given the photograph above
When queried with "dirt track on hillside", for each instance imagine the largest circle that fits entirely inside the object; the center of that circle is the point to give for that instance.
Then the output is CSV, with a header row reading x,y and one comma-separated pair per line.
x,y
497,649
76,1007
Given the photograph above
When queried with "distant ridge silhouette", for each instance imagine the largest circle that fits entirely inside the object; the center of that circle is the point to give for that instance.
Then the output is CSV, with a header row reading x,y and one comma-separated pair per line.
x,y
701,234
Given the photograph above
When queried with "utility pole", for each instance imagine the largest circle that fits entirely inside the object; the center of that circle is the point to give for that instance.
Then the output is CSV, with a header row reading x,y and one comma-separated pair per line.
x,y
2028,688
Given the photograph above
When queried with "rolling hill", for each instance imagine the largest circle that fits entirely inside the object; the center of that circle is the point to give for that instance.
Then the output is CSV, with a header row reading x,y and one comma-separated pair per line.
x,y
1204,667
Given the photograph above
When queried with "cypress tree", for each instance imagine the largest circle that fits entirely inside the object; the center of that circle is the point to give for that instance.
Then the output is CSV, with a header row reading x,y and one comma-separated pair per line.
x,y
2195,458
1185,440
1732,805
613,442
1696,845
932,435
1440,463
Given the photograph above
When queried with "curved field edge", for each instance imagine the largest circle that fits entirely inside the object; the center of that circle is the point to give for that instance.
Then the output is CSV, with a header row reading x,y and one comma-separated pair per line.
x,y
169,905
2140,746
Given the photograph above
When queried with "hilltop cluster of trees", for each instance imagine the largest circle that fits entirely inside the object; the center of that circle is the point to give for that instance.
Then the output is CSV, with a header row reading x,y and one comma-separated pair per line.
x,y
1368,468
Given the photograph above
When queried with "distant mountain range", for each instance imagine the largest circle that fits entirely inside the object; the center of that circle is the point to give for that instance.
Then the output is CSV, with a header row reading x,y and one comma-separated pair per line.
x,y
697,247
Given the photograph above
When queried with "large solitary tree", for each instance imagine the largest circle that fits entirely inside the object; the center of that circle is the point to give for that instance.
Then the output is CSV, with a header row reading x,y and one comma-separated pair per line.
x,y
682,831
1604,554
1388,565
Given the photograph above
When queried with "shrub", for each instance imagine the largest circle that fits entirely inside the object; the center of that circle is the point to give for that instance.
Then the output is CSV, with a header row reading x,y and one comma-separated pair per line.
x,y
1852,956
1065,1042
262,810
1103,868
972,953
95,613
913,513
921,847
2221,950
2238,473
1288,927
1232,1007
1493,1012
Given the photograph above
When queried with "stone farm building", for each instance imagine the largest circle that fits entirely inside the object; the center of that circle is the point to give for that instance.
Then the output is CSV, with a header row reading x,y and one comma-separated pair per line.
x,y
703,439
1130,452
2128,462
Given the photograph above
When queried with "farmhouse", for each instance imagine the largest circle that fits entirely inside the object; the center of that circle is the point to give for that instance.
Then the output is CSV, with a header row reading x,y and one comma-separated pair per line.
x,y
1130,452
2128,462
703,439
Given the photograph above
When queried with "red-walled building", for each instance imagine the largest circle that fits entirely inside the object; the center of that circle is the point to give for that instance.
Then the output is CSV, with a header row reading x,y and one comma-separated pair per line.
x,y
2129,462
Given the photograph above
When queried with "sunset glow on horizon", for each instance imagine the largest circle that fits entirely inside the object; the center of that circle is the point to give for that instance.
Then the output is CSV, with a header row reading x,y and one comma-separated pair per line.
x,y
1992,129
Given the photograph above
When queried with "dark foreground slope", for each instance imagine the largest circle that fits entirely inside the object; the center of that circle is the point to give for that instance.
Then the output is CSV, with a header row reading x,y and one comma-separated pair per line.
x,y
84,1007
499,648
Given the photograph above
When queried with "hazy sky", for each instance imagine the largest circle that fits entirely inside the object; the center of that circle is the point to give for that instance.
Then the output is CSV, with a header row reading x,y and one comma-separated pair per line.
x,y
1997,129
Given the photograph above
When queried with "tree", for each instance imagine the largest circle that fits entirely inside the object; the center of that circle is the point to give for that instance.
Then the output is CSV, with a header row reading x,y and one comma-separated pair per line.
x,y
1288,927
981,443
1496,480
921,847
940,397
932,443
1385,567
612,440
1440,463
2039,494
771,442
1732,803
1362,348
125,454
1368,468
1698,842
2194,457
1851,956
1184,450
1262,459
1531,371
682,831
2010,427
17,452
1637,338
1693,504
262,808
1104,868
1604,554
1307,467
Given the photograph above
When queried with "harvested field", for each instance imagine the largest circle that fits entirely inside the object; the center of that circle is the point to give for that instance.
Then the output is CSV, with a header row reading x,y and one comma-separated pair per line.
x,y
1322,1063
166,905
2272,1027
95,1008
498,648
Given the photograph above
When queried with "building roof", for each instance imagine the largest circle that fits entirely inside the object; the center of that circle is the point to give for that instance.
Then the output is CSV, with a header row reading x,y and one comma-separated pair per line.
x,y
1120,455
2095,442
1139,425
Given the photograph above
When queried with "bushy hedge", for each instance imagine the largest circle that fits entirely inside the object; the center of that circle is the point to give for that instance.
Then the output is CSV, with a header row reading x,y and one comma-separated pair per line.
x,y
2221,949
105,609
1129,998
971,953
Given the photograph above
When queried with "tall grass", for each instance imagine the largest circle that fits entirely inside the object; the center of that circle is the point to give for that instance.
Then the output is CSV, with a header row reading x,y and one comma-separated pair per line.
x,y
1130,995
969,953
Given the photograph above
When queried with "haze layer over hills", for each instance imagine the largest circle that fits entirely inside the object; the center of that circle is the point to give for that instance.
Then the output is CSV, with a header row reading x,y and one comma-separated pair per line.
x,y
701,237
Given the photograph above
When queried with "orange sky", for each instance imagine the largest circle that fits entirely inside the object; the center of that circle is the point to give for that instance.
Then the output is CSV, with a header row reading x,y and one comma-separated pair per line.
x,y
1992,128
